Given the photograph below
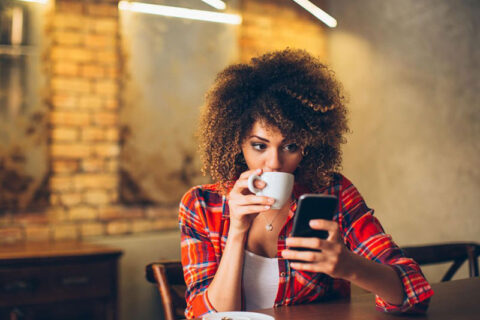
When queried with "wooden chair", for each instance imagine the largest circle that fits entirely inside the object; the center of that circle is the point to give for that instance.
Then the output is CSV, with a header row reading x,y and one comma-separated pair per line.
x,y
168,276
457,253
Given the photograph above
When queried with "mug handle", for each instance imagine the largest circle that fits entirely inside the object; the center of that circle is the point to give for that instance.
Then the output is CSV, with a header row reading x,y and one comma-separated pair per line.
x,y
251,186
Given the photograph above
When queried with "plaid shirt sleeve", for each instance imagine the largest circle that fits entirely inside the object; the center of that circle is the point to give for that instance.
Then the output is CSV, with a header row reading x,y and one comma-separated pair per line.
x,y
364,235
198,255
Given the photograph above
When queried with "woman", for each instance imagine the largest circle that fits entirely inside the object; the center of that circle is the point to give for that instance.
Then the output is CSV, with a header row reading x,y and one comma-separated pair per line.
x,y
282,112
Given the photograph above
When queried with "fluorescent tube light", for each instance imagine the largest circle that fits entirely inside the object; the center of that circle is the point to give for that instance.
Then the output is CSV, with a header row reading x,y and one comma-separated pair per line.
x,y
178,12
318,13
37,1
217,4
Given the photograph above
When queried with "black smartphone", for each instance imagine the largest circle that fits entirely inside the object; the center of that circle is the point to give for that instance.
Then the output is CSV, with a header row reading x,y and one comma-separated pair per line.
x,y
313,206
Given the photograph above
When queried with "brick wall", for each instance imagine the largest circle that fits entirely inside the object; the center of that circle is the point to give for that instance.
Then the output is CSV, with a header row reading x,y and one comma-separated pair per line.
x,y
277,24
83,64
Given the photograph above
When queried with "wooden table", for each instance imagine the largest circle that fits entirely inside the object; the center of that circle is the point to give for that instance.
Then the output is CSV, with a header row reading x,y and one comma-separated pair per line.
x,y
453,300
71,280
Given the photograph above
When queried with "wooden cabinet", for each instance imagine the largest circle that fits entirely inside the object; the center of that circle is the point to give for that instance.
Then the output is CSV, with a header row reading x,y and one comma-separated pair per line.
x,y
58,281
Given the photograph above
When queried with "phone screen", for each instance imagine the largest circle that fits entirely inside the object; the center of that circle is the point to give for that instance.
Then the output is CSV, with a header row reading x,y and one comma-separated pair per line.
x,y
313,206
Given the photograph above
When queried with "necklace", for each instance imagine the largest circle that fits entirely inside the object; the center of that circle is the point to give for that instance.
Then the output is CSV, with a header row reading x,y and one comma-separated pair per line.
x,y
269,226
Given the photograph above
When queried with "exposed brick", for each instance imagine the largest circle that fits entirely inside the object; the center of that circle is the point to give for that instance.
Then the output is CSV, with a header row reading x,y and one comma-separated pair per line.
x,y
65,232
38,233
63,84
141,226
103,9
92,180
92,229
133,213
61,183
67,101
64,134
93,71
112,134
120,212
68,38
97,41
106,25
108,58
112,72
83,213
91,102
81,55
65,166
93,165
106,87
56,214
68,21
6,219
70,118
105,118
118,227
97,197
164,224
75,151
162,212
55,199
107,150
65,68
93,134
113,196
111,104
77,7
110,213
29,218
112,165
71,199
11,235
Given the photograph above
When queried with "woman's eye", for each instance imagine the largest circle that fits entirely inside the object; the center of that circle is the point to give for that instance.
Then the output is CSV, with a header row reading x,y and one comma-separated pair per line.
x,y
291,147
258,146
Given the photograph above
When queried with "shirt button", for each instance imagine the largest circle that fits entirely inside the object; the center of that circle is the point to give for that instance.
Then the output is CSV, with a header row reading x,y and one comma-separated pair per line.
x,y
282,274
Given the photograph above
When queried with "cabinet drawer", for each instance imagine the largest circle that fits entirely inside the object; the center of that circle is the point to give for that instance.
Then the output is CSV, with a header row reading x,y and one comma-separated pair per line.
x,y
41,284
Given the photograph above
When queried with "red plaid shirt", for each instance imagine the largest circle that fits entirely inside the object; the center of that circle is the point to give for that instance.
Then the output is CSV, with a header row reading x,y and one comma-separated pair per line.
x,y
204,223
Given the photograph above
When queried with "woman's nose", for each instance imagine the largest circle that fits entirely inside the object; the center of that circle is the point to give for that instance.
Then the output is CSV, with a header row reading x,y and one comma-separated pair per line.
x,y
274,162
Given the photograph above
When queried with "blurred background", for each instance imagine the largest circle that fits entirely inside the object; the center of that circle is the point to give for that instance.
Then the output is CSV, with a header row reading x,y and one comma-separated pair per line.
x,y
98,108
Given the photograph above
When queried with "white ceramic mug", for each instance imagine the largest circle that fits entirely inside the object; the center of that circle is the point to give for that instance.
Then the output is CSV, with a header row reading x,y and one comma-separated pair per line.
x,y
279,186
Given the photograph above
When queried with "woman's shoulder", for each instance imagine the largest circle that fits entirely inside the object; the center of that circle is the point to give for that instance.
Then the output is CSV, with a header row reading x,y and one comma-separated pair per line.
x,y
339,182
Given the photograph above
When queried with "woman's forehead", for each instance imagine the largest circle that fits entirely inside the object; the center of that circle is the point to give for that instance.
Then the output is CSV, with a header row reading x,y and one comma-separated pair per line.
x,y
262,129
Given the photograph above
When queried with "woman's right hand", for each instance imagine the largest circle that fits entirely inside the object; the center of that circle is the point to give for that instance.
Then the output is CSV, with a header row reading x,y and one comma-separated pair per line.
x,y
244,205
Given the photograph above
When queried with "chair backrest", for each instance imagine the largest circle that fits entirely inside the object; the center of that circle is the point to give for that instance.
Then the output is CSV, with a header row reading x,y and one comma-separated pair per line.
x,y
168,276
457,253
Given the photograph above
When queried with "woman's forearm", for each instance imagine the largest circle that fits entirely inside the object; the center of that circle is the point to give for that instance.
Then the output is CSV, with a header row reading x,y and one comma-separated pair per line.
x,y
224,293
377,278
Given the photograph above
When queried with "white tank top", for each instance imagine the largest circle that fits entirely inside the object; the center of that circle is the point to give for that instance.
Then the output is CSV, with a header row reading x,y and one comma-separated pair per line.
x,y
260,281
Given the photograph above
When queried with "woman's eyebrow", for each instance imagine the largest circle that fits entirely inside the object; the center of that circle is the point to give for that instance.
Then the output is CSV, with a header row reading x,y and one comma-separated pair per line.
x,y
264,139
260,138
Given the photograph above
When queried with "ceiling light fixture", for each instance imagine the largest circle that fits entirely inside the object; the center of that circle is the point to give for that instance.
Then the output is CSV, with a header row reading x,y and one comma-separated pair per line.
x,y
178,12
37,1
217,4
318,13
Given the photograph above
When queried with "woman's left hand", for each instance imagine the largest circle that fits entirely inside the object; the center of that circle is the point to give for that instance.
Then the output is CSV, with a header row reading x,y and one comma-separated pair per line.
x,y
334,258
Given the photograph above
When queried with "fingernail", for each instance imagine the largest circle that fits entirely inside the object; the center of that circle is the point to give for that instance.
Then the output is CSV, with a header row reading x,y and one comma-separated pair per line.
x,y
271,200
267,207
258,171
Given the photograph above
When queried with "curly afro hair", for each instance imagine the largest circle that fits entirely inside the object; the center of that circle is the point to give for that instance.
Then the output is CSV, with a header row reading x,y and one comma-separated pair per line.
x,y
288,89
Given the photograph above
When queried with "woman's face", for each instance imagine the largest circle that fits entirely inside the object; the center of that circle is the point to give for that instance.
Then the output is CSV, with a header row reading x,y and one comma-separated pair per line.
x,y
266,148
